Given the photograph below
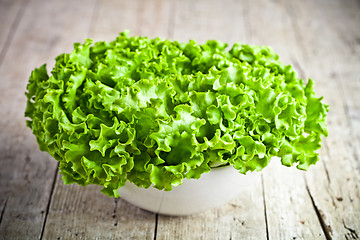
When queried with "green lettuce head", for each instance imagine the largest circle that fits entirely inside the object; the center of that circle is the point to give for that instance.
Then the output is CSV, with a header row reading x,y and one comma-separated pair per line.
x,y
154,112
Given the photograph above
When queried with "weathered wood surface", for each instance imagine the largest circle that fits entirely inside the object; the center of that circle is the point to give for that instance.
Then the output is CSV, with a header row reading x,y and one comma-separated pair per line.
x,y
320,38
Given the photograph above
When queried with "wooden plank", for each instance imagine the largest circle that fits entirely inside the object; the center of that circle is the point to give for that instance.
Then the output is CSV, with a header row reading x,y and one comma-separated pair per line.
x,y
336,193
242,218
27,174
85,213
289,209
10,15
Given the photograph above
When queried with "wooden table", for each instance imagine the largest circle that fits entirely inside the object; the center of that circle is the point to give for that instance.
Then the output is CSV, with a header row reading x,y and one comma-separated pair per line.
x,y
320,38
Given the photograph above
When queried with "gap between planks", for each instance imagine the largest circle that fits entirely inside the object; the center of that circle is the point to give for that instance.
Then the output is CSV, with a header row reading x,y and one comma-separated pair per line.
x,y
326,228
50,200
171,31
3,210
265,213
156,225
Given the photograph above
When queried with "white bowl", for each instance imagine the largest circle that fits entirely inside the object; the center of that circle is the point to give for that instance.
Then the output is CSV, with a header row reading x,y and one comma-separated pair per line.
x,y
213,189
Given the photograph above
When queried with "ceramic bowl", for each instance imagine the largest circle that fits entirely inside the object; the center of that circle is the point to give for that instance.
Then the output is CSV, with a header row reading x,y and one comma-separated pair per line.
x,y
212,189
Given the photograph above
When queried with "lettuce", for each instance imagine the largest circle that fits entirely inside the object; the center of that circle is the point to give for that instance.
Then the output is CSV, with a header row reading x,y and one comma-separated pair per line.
x,y
154,112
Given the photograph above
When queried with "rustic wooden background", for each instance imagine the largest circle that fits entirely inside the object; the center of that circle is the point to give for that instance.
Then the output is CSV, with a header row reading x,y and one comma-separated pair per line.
x,y
320,38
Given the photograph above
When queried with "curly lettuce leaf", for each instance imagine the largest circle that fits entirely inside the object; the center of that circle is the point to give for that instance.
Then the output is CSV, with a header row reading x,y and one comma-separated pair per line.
x,y
154,112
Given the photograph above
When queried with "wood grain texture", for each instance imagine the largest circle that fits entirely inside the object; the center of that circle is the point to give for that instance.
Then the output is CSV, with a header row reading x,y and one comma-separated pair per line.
x,y
242,218
289,208
85,213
